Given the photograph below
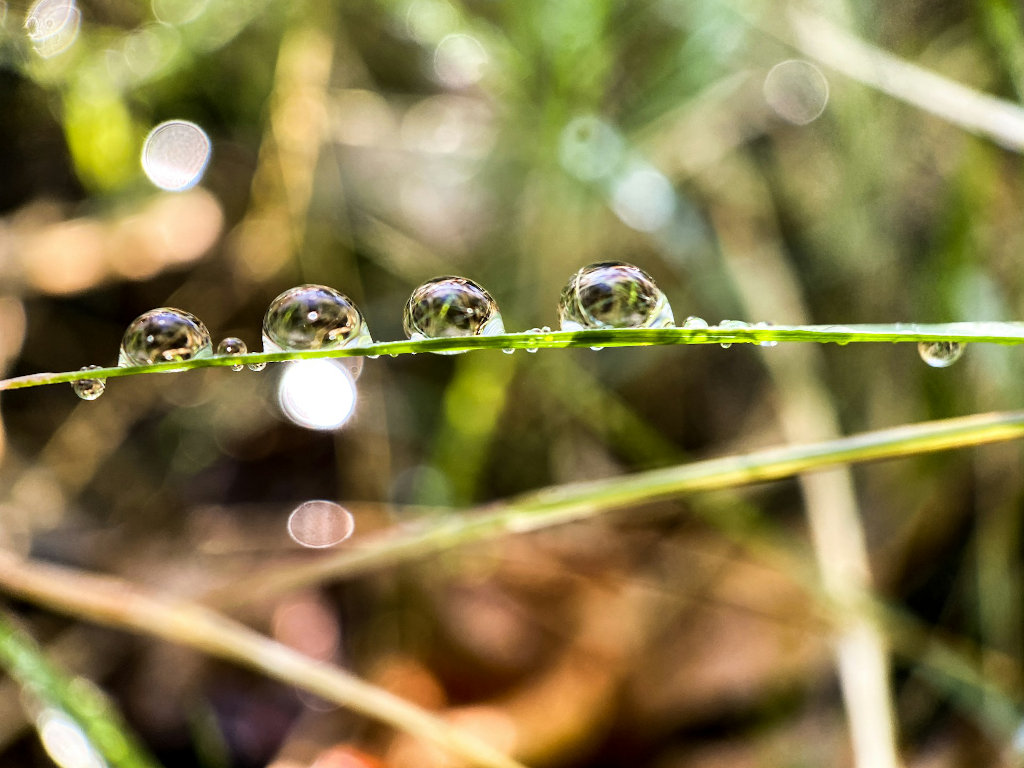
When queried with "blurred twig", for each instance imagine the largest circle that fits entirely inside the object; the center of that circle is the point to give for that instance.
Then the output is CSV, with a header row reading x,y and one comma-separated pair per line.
x,y
579,501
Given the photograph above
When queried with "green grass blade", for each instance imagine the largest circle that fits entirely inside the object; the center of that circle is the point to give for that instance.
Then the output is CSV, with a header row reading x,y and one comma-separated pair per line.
x,y
68,703
976,332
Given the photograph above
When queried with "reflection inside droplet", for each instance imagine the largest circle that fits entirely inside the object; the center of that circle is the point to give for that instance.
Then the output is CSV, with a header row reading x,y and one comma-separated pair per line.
x,y
317,394
460,61
320,524
52,26
175,155
64,741
797,91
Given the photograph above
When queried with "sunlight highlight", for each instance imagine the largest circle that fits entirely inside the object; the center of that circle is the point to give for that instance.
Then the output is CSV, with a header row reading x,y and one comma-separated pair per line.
x,y
317,394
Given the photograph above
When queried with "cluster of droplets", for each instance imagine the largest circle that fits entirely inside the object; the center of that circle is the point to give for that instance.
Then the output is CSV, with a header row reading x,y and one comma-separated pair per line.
x,y
605,295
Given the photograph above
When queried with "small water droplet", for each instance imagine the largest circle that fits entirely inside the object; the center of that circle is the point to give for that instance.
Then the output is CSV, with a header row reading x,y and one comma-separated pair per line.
x,y
447,307
164,335
313,317
940,354
695,323
509,350
233,345
545,329
731,325
320,524
89,389
769,342
257,367
175,155
612,294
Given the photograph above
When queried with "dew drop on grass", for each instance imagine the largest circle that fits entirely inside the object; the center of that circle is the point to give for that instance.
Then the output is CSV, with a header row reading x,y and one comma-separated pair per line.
x,y
319,524
164,335
731,325
940,354
232,345
695,323
545,329
612,294
175,155
89,389
257,367
447,307
769,342
311,317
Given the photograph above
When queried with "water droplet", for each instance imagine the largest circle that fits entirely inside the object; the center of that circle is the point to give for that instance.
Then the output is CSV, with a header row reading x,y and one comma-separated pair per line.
x,y
940,354
731,324
448,307
545,329
232,345
612,294
768,343
695,323
317,394
509,350
257,367
89,389
164,335
313,317
320,524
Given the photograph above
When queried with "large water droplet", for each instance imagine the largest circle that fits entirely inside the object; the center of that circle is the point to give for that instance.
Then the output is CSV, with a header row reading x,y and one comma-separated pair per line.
x,y
612,294
89,389
233,345
940,354
257,367
451,306
313,317
175,155
320,524
164,335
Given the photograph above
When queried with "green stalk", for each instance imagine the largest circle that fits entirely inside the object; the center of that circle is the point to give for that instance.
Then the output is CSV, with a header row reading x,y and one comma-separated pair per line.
x,y
66,699
981,332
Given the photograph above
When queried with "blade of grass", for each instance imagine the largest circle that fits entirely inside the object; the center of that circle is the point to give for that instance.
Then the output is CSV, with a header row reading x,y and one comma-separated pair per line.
x,y
92,714
982,332
578,501
119,603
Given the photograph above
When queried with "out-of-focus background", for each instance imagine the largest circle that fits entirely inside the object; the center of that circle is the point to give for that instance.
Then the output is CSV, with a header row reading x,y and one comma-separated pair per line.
x,y
374,144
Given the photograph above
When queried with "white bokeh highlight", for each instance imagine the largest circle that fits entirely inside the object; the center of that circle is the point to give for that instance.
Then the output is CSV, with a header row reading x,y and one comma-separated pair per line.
x,y
317,394
318,524
797,91
175,155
